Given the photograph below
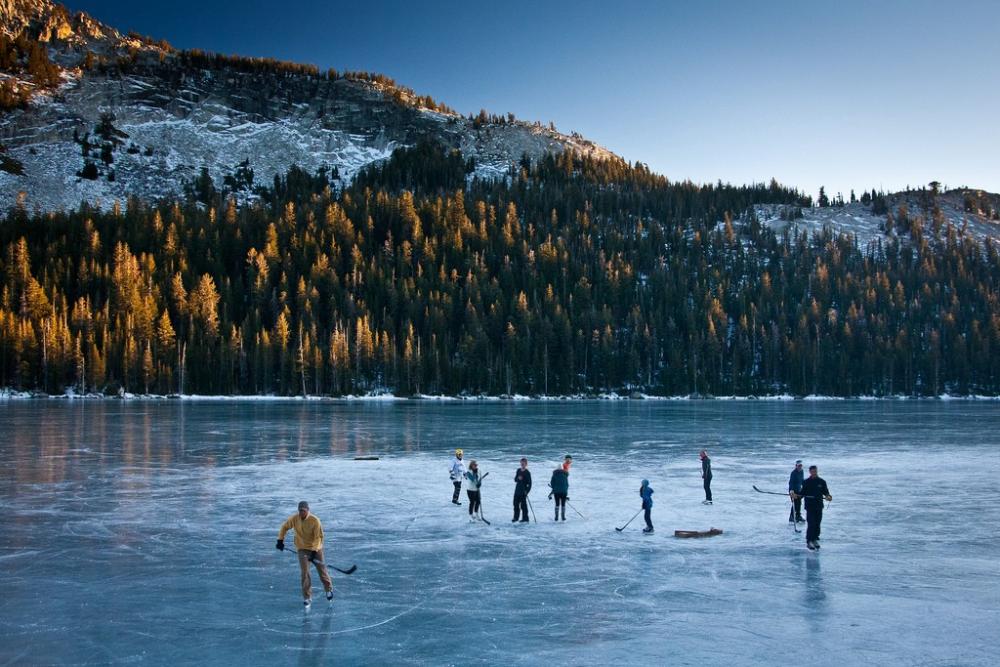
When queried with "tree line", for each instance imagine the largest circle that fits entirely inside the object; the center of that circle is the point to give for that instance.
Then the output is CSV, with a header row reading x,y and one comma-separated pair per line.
x,y
572,275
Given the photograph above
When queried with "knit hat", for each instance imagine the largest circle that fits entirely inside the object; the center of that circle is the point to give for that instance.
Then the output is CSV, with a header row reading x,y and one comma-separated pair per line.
x,y
303,505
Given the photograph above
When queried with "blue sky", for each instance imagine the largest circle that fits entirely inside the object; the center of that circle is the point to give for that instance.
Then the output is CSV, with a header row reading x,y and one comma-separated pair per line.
x,y
846,94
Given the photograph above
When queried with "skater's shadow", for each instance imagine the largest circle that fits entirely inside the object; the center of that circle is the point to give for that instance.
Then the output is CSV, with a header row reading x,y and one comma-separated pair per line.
x,y
315,637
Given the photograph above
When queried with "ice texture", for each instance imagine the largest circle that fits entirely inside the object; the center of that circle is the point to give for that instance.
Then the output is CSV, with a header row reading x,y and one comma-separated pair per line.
x,y
143,533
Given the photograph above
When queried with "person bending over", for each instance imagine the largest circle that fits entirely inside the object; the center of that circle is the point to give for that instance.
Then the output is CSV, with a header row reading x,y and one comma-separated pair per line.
x,y
309,547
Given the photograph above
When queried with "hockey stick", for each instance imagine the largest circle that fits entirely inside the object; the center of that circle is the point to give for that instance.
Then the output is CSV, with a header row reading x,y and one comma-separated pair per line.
x,y
775,493
772,493
349,570
481,516
531,507
629,521
575,509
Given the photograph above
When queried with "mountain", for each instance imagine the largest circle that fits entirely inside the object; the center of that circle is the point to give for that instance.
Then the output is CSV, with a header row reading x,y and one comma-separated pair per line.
x,y
973,211
93,115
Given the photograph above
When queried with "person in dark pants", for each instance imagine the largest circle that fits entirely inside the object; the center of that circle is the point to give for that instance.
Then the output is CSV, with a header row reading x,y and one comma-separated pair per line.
x,y
560,489
706,476
646,493
814,490
794,489
522,487
473,482
456,472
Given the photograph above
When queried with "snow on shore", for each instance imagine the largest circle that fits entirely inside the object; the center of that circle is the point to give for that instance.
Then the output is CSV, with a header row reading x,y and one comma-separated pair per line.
x,y
11,394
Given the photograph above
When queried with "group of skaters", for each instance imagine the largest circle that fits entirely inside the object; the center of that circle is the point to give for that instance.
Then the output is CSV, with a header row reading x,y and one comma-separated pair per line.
x,y
812,489
558,483
309,530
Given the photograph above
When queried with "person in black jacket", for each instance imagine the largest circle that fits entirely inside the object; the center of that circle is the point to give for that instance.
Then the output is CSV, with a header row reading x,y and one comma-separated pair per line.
x,y
706,475
814,490
522,487
794,488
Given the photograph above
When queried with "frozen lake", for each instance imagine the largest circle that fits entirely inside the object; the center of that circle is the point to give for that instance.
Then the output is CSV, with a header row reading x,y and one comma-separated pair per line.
x,y
143,532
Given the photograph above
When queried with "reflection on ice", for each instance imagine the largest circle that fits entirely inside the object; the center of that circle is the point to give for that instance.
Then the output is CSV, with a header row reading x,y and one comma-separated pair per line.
x,y
815,595
132,528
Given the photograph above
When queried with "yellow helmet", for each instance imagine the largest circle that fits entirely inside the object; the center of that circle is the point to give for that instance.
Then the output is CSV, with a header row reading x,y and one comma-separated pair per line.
x,y
458,452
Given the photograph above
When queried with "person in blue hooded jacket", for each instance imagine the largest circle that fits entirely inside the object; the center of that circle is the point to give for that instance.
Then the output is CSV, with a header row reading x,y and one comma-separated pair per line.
x,y
646,493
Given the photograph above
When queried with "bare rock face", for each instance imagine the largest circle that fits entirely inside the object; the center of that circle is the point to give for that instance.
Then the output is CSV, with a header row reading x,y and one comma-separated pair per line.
x,y
15,15
136,118
49,23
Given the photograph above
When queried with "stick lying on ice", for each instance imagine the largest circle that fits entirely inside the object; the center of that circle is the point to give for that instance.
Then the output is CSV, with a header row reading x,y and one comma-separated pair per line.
x,y
711,532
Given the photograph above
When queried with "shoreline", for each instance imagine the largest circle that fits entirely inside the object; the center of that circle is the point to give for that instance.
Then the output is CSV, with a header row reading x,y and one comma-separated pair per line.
x,y
10,395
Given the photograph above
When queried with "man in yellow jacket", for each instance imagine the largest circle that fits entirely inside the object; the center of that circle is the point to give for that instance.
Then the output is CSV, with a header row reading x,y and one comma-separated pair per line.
x,y
309,546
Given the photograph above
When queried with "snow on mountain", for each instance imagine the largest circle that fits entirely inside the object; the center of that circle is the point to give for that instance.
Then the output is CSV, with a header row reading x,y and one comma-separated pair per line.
x,y
969,210
166,115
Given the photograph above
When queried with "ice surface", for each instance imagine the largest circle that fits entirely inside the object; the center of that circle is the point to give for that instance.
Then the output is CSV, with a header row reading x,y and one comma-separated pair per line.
x,y
143,532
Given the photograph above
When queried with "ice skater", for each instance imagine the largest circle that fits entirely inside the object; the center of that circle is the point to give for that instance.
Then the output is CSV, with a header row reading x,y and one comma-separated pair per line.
x,y
560,488
456,472
814,490
309,547
473,482
522,487
646,493
794,489
567,462
706,476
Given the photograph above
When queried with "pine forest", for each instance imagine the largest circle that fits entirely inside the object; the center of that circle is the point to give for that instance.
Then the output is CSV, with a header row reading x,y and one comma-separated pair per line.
x,y
571,276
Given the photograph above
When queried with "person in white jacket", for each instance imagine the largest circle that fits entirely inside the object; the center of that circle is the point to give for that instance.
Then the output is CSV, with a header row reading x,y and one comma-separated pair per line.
x,y
456,473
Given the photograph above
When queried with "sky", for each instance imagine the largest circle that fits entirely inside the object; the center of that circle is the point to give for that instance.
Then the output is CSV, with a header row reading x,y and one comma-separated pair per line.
x,y
848,94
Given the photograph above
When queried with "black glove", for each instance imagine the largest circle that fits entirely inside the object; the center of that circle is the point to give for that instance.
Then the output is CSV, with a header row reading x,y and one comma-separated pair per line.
x,y
567,498
280,546
312,556
550,495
